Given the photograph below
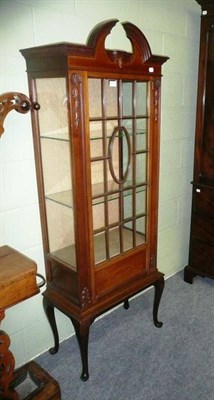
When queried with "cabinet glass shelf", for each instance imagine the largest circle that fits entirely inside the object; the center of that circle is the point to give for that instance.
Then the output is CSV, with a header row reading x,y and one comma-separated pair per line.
x,y
65,197
67,254
109,136
59,134
115,117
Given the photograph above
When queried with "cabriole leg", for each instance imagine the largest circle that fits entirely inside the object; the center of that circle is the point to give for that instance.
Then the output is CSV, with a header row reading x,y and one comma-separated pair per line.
x,y
159,286
49,311
126,304
82,334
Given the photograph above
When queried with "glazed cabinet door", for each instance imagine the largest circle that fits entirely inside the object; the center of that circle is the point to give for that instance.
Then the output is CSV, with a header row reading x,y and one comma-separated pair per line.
x,y
119,127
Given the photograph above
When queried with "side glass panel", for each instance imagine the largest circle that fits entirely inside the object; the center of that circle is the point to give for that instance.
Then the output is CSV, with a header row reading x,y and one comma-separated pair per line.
x,y
55,151
208,120
118,126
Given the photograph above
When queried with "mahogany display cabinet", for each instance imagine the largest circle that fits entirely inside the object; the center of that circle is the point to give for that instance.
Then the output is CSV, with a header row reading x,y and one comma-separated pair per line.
x,y
201,252
96,140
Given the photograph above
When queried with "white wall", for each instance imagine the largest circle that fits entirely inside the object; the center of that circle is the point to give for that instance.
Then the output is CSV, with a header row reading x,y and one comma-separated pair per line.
x,y
172,29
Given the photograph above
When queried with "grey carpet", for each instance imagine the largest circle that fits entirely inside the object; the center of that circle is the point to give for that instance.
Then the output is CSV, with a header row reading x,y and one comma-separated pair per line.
x,y
131,359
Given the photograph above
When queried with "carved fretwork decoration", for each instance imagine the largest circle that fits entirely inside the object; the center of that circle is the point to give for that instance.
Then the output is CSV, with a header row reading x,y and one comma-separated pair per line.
x,y
7,364
86,298
156,98
76,80
14,101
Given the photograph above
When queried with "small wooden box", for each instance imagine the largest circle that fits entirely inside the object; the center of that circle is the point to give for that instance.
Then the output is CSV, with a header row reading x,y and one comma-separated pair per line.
x,y
18,283
17,277
46,388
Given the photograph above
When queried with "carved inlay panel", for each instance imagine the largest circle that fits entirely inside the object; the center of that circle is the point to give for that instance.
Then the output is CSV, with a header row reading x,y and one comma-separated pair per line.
x,y
76,82
86,297
156,98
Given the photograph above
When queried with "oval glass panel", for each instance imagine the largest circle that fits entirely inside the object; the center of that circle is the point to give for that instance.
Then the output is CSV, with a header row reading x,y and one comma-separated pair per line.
x,y
119,152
